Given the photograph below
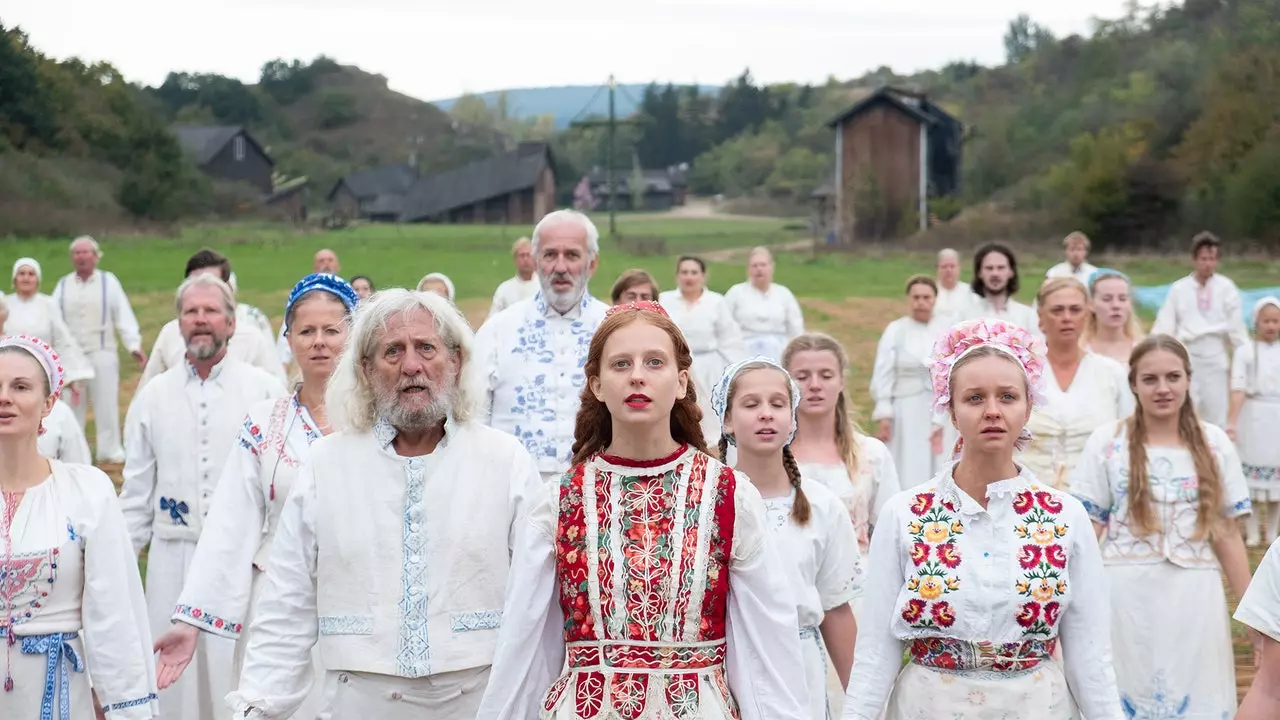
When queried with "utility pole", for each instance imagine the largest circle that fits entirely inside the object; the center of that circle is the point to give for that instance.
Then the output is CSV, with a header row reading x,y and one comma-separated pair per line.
x,y
612,125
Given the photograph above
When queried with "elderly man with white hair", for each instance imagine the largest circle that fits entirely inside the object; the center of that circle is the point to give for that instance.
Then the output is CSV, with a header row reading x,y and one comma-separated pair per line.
x,y
93,304
179,433
523,285
530,356
393,548
954,297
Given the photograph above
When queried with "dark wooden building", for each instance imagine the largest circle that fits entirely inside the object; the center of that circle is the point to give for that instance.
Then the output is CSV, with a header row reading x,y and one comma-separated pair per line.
x,y
376,194
659,192
516,187
894,151
227,152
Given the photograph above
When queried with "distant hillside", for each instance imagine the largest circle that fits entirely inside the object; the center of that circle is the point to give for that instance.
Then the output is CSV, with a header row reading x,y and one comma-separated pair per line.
x,y
566,102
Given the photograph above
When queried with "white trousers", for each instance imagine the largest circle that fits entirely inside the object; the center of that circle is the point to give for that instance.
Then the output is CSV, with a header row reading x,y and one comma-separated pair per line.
x,y
447,696
104,393
201,692
1210,387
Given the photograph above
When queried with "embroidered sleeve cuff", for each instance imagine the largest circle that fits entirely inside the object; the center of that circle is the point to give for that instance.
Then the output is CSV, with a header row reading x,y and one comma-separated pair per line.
x,y
1243,507
243,706
1096,512
136,709
207,622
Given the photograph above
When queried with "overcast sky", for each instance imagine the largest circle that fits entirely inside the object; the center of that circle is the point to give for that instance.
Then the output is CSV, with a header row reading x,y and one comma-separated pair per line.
x,y
435,49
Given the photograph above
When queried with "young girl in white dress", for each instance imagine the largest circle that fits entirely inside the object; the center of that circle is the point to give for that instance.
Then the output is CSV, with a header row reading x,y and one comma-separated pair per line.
x,y
1163,490
978,574
829,447
1253,420
756,400
71,605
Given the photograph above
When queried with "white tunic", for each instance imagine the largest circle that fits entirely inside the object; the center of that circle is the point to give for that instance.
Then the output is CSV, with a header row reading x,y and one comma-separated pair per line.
x,y
529,360
1064,269
1099,394
95,309
1024,316
511,291
250,314
395,565
73,572
38,316
1255,370
1162,661
768,319
952,305
248,345
824,570
714,339
1260,606
1024,572
63,439
903,393
1204,318
877,481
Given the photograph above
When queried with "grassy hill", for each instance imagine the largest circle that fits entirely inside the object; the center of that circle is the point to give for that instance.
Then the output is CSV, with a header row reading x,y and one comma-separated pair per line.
x,y
565,102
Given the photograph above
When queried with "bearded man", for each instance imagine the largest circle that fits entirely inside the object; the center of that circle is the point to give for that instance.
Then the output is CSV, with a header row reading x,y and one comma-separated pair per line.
x,y
393,549
530,356
178,434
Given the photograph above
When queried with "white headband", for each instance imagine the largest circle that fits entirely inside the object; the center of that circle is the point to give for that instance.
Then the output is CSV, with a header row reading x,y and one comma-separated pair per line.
x,y
27,262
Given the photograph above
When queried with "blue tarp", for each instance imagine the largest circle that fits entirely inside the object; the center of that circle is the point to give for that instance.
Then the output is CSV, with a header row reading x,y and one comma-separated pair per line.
x,y
1152,297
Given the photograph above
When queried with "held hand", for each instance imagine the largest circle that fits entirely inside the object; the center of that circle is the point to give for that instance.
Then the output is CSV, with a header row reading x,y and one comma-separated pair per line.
x,y
175,648
884,430
140,356
935,441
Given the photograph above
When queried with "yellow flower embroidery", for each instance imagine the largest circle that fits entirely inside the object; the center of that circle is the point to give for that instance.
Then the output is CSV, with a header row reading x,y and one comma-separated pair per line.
x,y
953,583
1023,587
936,532
1060,530
1043,592
913,584
914,527
931,588
1062,587
957,527
1020,531
1042,534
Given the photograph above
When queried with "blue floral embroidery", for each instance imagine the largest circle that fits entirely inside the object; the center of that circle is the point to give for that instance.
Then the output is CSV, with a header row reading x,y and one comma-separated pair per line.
x,y
1096,513
176,510
476,620
346,624
128,703
58,653
414,652
1242,507
71,531
1161,706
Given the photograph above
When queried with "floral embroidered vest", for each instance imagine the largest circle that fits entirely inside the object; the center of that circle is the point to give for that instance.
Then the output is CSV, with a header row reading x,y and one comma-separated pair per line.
x,y
642,560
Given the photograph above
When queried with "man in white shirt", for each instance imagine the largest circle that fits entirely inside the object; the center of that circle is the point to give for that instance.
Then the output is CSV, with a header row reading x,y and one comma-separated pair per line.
x,y
1203,312
529,357
995,282
324,261
248,344
521,287
954,296
179,432
246,313
393,548
94,306
1076,246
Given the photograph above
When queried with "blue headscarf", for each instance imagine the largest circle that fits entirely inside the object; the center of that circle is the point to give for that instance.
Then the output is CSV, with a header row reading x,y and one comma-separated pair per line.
x,y
1101,273
328,282
720,394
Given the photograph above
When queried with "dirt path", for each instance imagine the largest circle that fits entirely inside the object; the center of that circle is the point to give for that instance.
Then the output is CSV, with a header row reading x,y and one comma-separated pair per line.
x,y
732,254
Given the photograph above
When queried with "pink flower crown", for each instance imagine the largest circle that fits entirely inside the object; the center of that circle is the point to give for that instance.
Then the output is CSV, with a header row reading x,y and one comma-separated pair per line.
x,y
648,305
1006,337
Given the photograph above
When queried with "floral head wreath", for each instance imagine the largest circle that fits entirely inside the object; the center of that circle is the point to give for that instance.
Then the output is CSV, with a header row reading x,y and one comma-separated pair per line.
x,y
720,394
648,305
44,354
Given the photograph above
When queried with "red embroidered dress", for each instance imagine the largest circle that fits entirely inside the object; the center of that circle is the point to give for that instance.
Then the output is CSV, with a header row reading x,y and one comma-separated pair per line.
x,y
639,558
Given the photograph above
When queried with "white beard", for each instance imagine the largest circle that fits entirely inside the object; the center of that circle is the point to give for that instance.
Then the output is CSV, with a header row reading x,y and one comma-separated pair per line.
x,y
563,302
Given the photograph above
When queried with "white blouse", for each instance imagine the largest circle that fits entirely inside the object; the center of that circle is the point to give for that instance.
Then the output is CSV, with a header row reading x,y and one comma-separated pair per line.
x,y
706,323
38,316
74,571
1203,317
772,312
821,557
876,482
248,345
900,368
1026,567
1101,482
1260,606
63,439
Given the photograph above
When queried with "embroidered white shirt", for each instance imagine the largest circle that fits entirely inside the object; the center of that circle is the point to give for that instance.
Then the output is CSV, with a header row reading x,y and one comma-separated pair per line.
x,y
38,316
395,565
248,345
1026,567
511,291
1101,482
179,432
529,359
1064,269
95,309
768,319
1205,318
63,438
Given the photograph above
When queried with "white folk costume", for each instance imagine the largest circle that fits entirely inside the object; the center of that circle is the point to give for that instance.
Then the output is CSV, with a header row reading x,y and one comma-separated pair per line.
x,y
180,434
1024,316
714,339
511,291
1206,319
903,394
37,316
877,480
72,603
1081,272
399,577
529,360
63,439
769,319
952,305
95,309
979,599
229,567
824,571
647,590
1099,394
1260,606
248,345
1255,370
1165,665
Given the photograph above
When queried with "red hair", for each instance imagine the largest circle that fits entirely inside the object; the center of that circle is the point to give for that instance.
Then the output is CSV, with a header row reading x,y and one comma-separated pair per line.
x,y
593,429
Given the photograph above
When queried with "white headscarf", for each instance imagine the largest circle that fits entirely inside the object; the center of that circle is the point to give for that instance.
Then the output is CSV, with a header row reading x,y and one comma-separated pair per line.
x,y
26,262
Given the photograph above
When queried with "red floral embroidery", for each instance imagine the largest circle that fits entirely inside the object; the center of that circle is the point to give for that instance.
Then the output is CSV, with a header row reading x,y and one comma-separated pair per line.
x,y
933,532
943,614
1051,612
914,610
919,553
1056,556
1023,502
1048,502
948,555
1028,614
922,504
1043,559
1029,556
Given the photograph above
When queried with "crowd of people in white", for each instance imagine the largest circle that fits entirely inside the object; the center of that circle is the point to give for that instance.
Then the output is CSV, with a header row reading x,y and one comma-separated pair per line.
x,y
660,506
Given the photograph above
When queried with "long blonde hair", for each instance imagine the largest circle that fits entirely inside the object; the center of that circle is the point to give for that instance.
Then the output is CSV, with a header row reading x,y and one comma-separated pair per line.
x,y
847,430
1190,431
1132,329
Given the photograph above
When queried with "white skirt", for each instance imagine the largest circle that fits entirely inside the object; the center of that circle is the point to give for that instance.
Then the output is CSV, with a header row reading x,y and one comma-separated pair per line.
x,y
923,693
912,452
1171,640
1256,433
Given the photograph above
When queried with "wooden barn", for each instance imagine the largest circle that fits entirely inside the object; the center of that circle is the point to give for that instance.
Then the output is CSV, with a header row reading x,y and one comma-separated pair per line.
x,y
894,151
227,152
517,187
